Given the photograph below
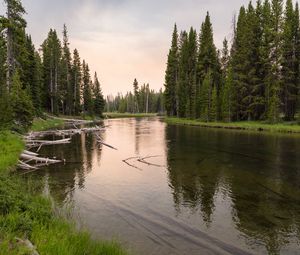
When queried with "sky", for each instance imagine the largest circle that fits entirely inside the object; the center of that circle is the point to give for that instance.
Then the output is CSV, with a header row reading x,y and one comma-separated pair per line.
x,y
126,39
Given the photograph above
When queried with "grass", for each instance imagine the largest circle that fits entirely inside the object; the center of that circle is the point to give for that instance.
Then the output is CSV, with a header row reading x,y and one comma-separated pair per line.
x,y
41,124
10,148
28,215
285,127
116,115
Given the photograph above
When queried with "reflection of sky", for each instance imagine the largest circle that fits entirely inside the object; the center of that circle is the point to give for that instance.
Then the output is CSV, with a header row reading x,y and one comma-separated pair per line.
x,y
124,39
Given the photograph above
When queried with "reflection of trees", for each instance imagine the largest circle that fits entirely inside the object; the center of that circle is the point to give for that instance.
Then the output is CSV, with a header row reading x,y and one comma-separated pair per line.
x,y
191,175
270,210
61,180
261,175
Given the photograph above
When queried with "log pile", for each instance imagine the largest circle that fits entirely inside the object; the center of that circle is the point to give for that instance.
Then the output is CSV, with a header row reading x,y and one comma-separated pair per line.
x,y
32,161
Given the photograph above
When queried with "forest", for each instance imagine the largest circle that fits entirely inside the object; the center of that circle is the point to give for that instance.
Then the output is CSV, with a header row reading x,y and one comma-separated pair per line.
x,y
142,100
256,76
50,78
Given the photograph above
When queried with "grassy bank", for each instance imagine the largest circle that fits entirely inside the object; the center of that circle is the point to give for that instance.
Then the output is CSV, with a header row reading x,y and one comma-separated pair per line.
x,y
44,124
27,215
245,125
115,115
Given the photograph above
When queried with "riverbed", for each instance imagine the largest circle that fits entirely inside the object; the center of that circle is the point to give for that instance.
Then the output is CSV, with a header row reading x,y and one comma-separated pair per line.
x,y
181,190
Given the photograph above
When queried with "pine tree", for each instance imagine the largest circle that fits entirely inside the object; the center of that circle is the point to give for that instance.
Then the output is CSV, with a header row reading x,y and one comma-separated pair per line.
x,y
192,74
6,117
87,92
76,82
208,61
225,58
14,24
205,98
297,55
99,102
51,72
227,97
213,111
290,82
22,107
275,58
256,78
65,79
183,77
171,76
136,96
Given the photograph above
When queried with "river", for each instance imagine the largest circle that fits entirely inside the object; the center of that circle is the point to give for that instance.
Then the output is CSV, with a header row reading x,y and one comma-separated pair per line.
x,y
197,190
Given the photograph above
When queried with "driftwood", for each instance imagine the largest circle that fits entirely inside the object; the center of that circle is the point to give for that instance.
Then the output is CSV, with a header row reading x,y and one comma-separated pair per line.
x,y
143,160
32,141
65,132
28,156
100,140
39,159
131,165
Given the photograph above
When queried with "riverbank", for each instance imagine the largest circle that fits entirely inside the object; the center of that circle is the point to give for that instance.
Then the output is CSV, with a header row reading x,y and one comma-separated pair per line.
x,y
116,115
27,217
246,125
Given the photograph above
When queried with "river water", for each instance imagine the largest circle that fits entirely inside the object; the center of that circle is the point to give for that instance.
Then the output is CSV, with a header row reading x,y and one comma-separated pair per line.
x,y
197,191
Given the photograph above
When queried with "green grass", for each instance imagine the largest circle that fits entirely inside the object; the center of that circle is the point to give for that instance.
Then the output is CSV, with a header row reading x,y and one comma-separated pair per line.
x,y
116,115
10,148
285,127
41,124
26,214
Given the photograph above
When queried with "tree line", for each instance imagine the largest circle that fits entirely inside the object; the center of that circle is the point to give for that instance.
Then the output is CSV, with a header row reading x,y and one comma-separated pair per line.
x,y
49,79
256,76
143,99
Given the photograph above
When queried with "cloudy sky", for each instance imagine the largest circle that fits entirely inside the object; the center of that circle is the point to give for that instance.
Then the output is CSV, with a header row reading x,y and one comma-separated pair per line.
x,y
126,39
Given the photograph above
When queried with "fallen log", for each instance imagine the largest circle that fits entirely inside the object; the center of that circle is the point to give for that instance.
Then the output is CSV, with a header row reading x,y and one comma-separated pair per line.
x,y
40,159
100,140
66,132
25,166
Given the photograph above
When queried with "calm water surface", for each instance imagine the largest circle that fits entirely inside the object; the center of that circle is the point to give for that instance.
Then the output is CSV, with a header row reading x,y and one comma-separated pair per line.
x,y
205,191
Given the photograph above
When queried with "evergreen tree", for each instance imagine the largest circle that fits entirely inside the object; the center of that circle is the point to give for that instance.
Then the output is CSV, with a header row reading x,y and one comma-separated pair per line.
x,y
136,96
208,61
289,81
87,92
65,79
51,72
192,72
205,98
99,102
76,82
171,76
22,107
225,58
227,97
275,58
14,24
5,107
183,77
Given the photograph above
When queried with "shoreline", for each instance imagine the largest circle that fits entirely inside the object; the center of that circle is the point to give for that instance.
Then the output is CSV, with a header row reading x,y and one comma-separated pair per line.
x,y
29,222
287,128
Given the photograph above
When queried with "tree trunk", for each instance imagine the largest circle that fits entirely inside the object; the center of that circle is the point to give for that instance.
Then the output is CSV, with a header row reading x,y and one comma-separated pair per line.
x,y
10,58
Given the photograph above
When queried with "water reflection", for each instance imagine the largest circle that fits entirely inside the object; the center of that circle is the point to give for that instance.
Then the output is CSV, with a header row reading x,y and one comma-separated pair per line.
x,y
62,181
258,173
221,192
